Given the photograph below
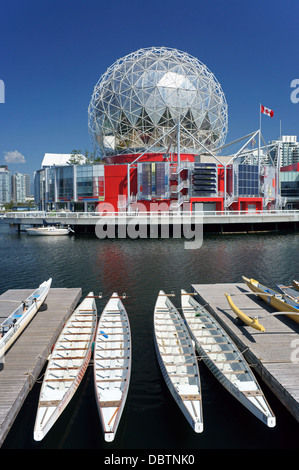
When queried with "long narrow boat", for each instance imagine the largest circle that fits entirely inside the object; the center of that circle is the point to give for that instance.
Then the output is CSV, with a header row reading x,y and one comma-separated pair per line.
x,y
223,358
280,302
178,361
112,364
296,284
13,326
253,322
67,365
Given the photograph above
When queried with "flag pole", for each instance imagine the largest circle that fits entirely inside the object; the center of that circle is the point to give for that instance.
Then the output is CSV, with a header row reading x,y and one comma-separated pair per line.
x,y
259,148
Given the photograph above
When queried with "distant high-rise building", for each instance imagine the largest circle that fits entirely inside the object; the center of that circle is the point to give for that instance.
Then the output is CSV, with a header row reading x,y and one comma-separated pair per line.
x,y
27,185
5,184
18,187
289,150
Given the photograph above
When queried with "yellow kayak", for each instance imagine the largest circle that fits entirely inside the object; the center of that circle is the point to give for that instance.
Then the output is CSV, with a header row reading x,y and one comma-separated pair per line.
x,y
253,322
280,302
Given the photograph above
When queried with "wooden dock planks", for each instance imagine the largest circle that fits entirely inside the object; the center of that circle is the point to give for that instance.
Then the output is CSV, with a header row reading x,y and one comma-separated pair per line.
x,y
271,353
25,360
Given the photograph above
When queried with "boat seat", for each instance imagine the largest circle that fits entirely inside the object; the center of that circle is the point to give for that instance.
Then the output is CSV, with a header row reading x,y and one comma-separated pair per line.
x,y
110,404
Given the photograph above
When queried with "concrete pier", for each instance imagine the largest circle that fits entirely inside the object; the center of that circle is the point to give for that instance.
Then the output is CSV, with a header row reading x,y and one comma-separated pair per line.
x,y
211,221
26,358
271,354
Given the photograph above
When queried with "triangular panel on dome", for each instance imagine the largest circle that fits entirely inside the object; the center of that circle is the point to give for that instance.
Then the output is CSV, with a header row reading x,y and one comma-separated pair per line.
x,y
213,119
155,100
155,115
134,114
139,67
166,119
144,123
206,125
107,128
188,121
150,62
114,112
124,125
185,98
214,137
125,85
143,94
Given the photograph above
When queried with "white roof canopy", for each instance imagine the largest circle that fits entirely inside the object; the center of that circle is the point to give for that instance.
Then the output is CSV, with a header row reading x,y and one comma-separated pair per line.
x,y
57,159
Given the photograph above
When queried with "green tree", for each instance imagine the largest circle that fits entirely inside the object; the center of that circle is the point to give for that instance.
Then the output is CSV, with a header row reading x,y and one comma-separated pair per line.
x,y
77,158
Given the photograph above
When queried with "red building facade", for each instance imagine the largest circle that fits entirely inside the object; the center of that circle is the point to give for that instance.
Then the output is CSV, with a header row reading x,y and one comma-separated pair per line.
x,y
167,181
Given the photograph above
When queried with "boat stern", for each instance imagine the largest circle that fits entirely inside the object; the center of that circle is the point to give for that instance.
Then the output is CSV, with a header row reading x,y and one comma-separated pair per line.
x,y
38,435
198,426
109,436
271,421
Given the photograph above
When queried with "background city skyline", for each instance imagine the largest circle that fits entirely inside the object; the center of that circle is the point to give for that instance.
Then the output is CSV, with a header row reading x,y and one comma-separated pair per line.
x,y
53,53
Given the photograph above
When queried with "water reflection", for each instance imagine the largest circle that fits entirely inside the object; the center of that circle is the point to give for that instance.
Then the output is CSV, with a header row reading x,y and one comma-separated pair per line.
x,y
140,268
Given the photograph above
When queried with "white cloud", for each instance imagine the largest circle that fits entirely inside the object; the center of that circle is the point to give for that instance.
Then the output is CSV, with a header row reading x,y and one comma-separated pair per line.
x,y
14,157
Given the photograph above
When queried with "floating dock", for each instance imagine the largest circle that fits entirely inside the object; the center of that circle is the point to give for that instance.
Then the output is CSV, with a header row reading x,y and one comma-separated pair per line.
x,y
26,358
271,354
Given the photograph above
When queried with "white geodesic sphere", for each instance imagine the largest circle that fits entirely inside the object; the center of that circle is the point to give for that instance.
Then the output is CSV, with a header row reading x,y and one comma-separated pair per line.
x,y
140,99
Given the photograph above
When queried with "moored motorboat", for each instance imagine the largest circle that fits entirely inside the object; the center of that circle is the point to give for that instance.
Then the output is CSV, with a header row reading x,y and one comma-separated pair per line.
x,y
220,354
66,366
250,321
50,230
178,361
279,301
112,364
12,326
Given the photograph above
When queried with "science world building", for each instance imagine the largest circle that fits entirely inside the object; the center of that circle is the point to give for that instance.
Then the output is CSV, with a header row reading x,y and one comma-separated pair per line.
x,y
158,118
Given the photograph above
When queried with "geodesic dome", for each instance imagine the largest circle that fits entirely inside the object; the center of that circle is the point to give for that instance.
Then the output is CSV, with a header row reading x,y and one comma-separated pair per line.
x,y
139,101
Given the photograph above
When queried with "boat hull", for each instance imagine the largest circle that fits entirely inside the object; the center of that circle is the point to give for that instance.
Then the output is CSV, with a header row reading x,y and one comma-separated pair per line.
x,y
197,426
66,367
39,434
46,232
177,361
34,301
205,331
112,365
278,301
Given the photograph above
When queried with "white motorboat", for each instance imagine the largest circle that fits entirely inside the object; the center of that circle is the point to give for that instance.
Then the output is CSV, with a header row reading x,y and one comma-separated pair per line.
x,y
50,230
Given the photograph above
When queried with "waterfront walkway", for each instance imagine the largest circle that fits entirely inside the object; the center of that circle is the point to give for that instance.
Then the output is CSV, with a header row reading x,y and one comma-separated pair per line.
x,y
218,221
271,354
26,358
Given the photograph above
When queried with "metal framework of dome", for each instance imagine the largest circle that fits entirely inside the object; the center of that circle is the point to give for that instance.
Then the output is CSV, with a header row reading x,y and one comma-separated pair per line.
x,y
140,100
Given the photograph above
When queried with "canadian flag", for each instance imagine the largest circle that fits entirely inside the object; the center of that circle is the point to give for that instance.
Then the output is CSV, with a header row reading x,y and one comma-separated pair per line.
x,y
267,111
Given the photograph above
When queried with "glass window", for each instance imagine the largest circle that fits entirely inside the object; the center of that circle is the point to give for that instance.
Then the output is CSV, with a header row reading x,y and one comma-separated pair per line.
x,y
51,184
248,179
90,181
65,179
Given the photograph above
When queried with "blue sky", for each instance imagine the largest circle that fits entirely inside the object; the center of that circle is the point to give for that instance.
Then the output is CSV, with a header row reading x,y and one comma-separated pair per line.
x,y
53,52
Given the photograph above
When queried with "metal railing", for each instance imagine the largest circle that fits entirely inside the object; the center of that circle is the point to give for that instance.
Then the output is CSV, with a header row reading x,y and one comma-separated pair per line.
x,y
140,213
